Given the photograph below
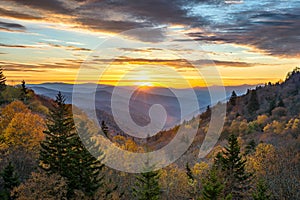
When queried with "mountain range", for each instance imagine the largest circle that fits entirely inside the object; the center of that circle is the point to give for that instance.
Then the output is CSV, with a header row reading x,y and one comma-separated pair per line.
x,y
140,101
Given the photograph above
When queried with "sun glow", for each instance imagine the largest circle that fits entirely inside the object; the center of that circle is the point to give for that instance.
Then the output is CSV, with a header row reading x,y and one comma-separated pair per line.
x,y
143,79
148,84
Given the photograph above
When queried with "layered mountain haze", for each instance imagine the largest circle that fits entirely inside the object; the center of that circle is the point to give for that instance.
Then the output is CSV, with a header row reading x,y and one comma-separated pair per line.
x,y
140,101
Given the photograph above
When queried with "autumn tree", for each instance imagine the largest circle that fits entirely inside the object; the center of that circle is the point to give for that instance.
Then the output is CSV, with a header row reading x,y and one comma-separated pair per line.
x,y
63,153
173,183
25,130
42,186
10,180
233,167
9,111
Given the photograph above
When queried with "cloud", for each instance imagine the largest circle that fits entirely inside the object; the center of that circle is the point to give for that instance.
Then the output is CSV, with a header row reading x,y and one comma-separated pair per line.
x,y
176,63
146,50
270,26
68,47
11,26
18,15
16,46
41,67
274,32
49,5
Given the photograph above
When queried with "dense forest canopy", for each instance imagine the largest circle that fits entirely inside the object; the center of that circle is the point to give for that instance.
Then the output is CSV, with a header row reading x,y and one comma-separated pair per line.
x,y
256,157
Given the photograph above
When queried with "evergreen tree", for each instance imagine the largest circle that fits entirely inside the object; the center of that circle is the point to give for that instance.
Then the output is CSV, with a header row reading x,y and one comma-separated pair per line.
x,y
104,129
250,148
147,185
84,172
280,103
272,105
10,180
212,186
63,152
23,91
261,192
253,102
2,80
232,99
232,165
189,173
60,131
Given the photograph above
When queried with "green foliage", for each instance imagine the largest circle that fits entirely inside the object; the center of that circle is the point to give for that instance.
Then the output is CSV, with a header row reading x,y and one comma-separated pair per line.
x,y
147,186
189,173
212,186
24,92
250,148
233,168
232,99
280,103
63,153
10,94
261,192
252,127
295,71
104,129
272,105
84,172
10,180
253,104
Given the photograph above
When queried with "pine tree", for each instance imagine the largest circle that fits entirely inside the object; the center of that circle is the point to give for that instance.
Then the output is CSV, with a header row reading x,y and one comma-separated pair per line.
x,y
280,103
231,163
63,152
10,180
272,105
2,80
85,169
212,186
192,182
23,91
250,148
147,186
232,99
253,102
60,131
189,173
104,128
261,192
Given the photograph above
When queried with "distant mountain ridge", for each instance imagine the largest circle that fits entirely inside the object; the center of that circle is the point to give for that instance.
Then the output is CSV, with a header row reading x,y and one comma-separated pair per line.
x,y
142,100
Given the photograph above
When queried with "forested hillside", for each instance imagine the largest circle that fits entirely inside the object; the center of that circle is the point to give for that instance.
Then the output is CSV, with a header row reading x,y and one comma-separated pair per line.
x,y
256,157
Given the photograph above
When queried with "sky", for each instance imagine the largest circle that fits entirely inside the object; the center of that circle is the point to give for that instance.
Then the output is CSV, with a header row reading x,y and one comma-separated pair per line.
x,y
176,43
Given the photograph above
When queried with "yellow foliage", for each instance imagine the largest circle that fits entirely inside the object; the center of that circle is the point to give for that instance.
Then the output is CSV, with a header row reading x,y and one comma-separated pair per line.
x,y
42,186
200,169
174,182
263,156
8,113
25,129
243,126
262,120
275,127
